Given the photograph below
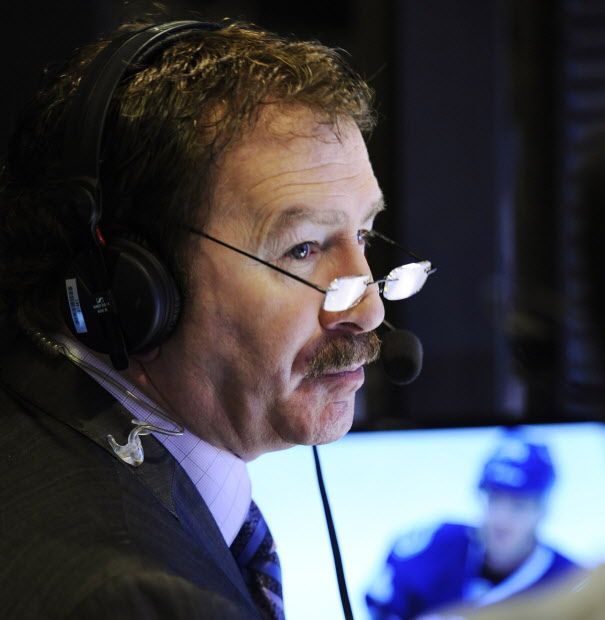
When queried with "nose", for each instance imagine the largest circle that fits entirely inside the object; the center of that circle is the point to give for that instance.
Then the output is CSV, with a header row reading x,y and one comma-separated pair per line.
x,y
365,316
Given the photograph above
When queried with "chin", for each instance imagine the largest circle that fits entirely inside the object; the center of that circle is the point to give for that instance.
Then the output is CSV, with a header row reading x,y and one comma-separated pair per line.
x,y
337,422
324,425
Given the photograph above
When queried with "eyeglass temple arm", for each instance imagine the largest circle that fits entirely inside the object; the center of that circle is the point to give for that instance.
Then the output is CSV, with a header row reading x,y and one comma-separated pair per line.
x,y
375,233
201,233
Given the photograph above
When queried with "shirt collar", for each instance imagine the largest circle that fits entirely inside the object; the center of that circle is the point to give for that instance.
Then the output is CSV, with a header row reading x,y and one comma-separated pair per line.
x,y
220,477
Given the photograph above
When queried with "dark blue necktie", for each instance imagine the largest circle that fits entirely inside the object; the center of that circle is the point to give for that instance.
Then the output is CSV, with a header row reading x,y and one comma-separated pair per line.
x,y
255,554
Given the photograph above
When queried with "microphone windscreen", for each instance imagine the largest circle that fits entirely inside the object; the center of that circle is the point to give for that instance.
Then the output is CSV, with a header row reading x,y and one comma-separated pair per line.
x,y
401,356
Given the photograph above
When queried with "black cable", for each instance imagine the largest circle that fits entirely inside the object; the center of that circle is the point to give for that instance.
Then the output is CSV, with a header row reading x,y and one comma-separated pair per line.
x,y
340,575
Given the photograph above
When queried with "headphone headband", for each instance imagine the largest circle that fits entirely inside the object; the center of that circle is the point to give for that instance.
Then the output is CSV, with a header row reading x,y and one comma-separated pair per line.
x,y
94,294
87,113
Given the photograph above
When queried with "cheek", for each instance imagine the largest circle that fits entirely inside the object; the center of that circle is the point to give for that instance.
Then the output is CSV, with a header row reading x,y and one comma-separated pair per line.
x,y
531,523
254,329
268,335
276,316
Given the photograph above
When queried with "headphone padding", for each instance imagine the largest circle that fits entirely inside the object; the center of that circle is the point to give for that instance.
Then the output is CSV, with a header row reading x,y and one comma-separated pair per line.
x,y
147,298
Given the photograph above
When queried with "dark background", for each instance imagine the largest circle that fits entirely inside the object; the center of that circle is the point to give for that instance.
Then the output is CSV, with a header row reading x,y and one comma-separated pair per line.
x,y
484,109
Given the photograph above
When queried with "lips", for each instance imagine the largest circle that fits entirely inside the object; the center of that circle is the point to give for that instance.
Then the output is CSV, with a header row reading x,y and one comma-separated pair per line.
x,y
343,371
342,379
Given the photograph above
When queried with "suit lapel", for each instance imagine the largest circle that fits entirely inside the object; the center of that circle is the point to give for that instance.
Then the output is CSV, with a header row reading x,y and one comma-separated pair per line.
x,y
52,385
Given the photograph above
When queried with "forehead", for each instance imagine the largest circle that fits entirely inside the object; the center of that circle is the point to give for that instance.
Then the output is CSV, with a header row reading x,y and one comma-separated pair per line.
x,y
291,166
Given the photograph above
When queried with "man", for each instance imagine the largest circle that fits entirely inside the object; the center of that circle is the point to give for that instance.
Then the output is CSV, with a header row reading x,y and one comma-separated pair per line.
x,y
232,167
479,565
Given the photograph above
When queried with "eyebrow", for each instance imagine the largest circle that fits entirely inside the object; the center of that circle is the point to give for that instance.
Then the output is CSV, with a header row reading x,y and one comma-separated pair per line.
x,y
376,208
294,215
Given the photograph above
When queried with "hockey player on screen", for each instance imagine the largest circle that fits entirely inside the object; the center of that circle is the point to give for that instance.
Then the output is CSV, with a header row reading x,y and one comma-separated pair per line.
x,y
480,565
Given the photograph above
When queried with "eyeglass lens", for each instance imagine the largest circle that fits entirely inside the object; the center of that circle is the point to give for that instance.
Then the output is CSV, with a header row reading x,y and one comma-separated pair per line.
x,y
401,283
345,292
405,281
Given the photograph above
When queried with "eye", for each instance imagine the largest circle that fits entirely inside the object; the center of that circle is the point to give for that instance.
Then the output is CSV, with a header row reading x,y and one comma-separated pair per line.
x,y
300,251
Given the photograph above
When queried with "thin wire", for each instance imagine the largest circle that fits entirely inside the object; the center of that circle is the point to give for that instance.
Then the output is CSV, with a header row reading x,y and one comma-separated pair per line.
x,y
375,233
340,575
201,233
62,349
388,325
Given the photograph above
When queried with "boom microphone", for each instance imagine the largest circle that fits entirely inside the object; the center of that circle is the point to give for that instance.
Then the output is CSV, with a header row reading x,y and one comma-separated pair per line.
x,y
401,355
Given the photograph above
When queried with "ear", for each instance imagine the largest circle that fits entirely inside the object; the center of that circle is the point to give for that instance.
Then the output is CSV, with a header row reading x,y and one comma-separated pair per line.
x,y
150,356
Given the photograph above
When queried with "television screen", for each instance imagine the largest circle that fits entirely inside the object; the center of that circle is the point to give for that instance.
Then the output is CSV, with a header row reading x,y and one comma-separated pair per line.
x,y
384,486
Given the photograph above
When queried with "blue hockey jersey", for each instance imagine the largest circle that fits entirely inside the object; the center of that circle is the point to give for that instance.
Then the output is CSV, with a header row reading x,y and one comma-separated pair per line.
x,y
430,569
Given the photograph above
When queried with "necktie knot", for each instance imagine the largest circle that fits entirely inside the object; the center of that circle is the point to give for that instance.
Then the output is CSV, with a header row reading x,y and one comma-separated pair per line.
x,y
255,554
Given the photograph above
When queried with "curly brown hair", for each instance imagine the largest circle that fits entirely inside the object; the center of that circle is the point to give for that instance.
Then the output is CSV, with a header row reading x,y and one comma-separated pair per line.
x,y
168,125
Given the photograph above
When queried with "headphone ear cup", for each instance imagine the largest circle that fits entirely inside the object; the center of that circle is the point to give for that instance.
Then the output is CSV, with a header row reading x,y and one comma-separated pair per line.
x,y
147,298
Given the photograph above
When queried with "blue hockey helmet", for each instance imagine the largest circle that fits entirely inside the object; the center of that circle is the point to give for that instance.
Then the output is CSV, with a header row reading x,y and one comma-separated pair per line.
x,y
518,466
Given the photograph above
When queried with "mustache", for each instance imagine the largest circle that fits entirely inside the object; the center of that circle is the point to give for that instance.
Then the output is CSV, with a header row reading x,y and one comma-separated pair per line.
x,y
344,352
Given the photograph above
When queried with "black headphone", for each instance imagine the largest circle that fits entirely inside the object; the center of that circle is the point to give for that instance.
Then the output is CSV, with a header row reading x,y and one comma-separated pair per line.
x,y
118,298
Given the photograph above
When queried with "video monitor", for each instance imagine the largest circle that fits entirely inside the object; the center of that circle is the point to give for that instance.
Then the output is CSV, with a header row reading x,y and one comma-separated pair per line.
x,y
384,486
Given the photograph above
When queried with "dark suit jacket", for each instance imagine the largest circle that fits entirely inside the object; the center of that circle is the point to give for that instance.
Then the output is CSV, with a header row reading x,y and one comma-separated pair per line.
x,y
83,535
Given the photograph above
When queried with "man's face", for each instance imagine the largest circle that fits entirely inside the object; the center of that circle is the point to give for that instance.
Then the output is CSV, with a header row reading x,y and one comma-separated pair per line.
x,y
509,527
237,370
